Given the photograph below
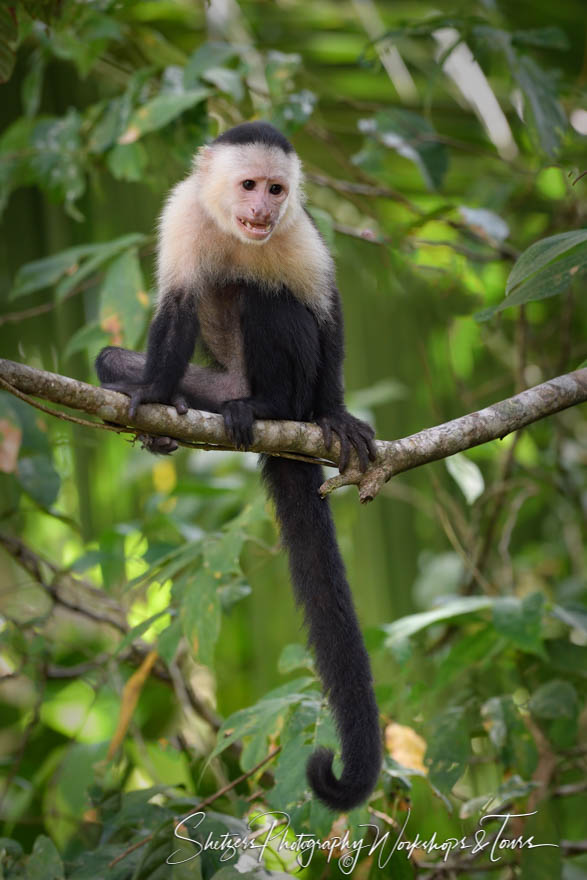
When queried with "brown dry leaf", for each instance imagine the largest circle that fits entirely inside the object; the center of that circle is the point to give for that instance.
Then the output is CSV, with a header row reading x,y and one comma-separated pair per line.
x,y
112,325
405,746
10,437
130,697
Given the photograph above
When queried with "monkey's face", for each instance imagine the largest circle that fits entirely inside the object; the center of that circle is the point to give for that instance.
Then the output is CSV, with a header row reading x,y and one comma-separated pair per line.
x,y
258,205
248,189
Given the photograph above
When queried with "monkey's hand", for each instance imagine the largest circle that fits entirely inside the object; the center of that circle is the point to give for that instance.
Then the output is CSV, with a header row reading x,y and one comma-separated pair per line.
x,y
144,392
351,432
238,422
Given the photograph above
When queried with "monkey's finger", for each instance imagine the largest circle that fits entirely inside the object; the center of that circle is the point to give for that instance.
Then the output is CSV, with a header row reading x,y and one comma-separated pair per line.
x,y
326,433
136,398
369,441
361,450
345,450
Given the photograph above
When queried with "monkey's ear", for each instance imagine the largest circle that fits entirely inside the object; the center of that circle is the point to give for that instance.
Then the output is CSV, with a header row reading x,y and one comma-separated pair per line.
x,y
202,158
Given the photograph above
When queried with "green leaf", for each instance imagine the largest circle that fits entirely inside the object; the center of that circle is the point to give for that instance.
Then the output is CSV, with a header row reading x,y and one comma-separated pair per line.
x,y
158,112
137,631
545,112
265,718
45,862
32,84
448,749
545,37
294,657
412,137
554,699
58,161
15,167
541,254
466,475
168,640
469,653
520,620
200,615
209,55
38,477
407,626
291,783
127,161
90,338
574,616
545,269
509,735
294,111
43,273
99,255
230,594
124,303
226,80
69,267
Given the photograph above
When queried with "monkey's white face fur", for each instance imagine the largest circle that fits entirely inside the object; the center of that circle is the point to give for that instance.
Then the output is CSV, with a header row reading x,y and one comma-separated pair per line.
x,y
249,190
213,219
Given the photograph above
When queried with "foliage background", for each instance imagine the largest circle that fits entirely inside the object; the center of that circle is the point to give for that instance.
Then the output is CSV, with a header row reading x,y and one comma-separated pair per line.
x,y
102,107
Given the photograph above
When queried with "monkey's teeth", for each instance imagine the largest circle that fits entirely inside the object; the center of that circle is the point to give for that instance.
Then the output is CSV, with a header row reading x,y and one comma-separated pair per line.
x,y
256,227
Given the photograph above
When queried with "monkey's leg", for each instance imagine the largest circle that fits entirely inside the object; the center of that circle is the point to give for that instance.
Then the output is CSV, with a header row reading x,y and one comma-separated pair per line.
x,y
201,387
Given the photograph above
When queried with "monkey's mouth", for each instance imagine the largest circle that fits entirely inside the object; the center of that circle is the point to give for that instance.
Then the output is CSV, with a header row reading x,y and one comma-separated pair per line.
x,y
255,230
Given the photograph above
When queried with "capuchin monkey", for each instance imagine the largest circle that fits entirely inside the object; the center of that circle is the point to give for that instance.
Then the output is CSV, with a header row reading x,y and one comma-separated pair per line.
x,y
243,270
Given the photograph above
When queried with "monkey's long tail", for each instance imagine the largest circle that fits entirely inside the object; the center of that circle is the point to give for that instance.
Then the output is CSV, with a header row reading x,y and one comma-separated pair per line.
x,y
321,588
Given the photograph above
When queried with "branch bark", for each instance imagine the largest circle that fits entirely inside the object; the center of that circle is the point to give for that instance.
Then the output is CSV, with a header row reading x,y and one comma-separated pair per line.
x,y
303,439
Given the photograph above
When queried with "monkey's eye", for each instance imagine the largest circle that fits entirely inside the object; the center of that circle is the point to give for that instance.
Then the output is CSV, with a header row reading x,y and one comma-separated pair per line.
x,y
248,184
275,189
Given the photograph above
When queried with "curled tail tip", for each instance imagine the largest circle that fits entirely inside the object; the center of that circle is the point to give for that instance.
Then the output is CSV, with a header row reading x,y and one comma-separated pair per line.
x,y
337,794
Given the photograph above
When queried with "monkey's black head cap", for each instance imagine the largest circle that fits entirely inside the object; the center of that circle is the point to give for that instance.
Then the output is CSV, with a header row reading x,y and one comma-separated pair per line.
x,y
255,133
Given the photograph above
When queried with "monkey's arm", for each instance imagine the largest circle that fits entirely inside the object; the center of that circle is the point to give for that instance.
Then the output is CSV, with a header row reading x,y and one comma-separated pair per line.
x,y
329,409
172,337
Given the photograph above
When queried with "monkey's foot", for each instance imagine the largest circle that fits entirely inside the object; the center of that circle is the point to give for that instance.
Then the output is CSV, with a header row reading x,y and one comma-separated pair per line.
x,y
238,422
158,445
351,432
144,392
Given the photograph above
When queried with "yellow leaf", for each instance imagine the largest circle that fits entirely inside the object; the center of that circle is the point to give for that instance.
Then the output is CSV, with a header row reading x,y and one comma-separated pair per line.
x,y
130,698
405,746
164,476
129,136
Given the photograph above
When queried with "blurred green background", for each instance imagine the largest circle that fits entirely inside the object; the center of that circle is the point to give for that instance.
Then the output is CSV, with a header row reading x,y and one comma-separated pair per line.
x,y
440,141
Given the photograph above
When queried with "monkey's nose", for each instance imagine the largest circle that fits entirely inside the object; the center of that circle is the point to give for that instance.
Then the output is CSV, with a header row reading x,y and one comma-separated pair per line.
x,y
261,215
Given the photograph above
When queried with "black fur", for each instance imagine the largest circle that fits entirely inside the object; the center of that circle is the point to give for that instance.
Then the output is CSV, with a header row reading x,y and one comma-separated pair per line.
x,y
255,133
294,370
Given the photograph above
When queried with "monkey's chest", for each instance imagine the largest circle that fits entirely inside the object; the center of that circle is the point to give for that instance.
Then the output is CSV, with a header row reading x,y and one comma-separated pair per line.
x,y
220,327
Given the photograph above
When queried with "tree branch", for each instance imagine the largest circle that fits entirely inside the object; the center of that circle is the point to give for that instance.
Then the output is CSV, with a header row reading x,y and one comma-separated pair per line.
x,y
303,439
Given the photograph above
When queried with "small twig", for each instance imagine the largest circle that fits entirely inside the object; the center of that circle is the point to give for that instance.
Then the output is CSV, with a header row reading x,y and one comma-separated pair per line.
x,y
57,413
571,789
205,803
